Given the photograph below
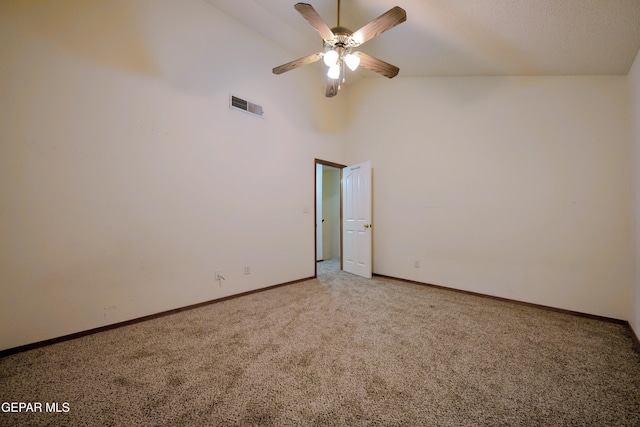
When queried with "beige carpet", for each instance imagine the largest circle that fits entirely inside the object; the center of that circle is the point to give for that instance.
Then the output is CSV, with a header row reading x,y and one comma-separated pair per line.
x,y
338,350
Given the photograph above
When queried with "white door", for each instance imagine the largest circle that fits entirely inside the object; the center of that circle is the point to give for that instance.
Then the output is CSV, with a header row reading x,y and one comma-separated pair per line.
x,y
356,219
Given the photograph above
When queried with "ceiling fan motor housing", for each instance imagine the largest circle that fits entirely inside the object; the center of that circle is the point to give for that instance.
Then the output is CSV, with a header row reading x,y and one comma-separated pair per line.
x,y
342,42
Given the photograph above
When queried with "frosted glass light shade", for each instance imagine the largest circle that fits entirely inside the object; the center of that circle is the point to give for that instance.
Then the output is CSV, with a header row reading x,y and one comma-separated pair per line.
x,y
352,61
334,71
330,58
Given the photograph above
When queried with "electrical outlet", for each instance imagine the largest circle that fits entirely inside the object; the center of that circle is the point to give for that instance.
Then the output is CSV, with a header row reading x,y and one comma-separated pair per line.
x,y
247,269
416,264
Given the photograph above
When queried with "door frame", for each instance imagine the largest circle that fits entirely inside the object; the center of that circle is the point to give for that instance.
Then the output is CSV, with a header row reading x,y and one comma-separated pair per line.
x,y
315,207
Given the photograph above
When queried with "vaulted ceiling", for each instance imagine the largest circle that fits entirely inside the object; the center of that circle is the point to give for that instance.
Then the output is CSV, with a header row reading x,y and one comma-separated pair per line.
x,y
467,37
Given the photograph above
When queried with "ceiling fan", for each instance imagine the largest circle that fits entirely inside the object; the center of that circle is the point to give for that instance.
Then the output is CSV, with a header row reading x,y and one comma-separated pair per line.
x,y
339,43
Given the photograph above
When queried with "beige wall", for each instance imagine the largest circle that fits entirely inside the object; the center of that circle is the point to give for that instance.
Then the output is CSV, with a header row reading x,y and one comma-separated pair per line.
x,y
515,187
126,180
634,80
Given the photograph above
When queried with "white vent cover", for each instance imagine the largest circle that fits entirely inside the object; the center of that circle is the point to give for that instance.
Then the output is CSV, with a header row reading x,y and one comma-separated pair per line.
x,y
246,106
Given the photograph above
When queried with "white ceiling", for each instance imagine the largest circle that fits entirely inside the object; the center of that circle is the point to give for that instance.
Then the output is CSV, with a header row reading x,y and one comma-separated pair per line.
x,y
467,37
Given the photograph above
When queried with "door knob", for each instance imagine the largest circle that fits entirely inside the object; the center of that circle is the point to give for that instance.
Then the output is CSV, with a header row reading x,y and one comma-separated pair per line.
x,y
367,226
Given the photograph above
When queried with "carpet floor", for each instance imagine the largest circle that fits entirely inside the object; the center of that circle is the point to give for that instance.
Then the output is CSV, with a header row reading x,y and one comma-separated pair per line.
x,y
336,350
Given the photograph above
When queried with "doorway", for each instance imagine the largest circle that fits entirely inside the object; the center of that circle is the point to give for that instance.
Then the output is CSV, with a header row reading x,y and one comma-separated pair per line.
x,y
328,213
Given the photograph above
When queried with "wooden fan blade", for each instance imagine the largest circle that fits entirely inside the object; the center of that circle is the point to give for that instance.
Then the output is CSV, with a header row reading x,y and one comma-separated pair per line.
x,y
382,23
297,63
309,13
332,87
378,65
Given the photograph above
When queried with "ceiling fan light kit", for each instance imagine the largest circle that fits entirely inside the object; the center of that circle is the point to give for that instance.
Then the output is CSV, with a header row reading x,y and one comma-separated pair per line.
x,y
339,43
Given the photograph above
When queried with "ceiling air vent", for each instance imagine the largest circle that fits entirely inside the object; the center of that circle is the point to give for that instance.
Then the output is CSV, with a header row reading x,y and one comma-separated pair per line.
x,y
246,106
